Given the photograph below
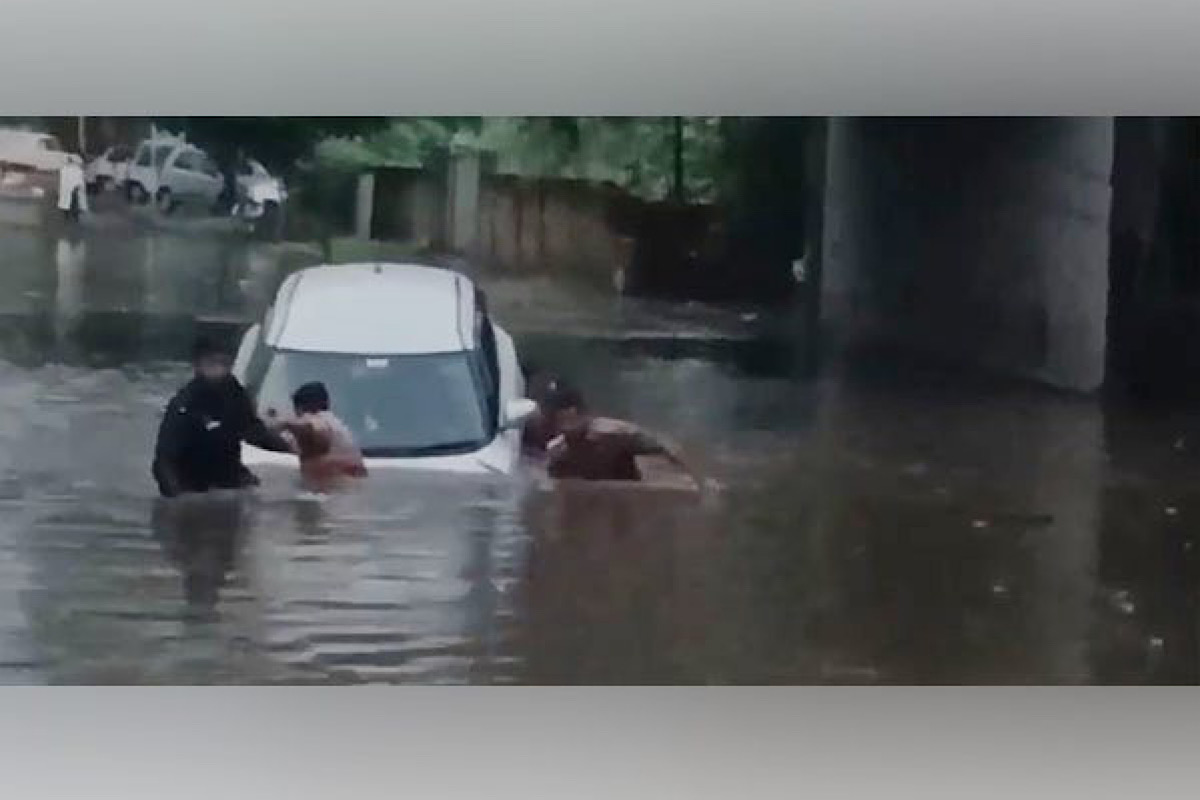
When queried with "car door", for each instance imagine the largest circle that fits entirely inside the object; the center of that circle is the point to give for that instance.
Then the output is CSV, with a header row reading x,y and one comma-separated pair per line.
x,y
210,180
186,176
143,161
174,174
163,154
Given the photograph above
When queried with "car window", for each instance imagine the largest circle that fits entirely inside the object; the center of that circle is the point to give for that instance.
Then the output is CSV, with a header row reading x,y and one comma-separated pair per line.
x,y
161,152
187,160
118,155
209,167
143,157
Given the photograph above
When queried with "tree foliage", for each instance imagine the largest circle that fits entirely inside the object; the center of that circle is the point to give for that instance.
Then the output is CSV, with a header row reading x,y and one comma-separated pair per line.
x,y
738,159
636,153
279,142
405,142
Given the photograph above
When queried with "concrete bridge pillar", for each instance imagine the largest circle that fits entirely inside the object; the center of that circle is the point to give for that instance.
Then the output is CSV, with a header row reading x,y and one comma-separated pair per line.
x,y
980,241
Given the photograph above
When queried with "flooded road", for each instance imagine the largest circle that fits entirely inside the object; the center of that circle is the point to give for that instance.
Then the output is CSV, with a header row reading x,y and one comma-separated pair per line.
x,y
880,524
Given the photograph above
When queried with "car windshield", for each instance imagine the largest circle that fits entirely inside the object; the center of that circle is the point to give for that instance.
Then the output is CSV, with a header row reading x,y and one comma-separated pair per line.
x,y
396,406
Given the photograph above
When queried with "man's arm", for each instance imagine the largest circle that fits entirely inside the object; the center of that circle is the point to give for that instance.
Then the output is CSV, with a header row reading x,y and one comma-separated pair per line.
x,y
645,443
168,449
256,432
259,434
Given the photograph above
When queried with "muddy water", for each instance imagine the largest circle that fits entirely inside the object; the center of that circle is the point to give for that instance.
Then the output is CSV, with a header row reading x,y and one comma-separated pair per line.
x,y
879,524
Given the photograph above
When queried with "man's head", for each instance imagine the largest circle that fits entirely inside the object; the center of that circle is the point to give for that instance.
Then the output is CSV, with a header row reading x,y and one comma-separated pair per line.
x,y
311,398
211,361
565,410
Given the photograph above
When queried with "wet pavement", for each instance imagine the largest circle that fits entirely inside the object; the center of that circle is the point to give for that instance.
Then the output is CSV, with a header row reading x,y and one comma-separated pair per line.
x,y
880,523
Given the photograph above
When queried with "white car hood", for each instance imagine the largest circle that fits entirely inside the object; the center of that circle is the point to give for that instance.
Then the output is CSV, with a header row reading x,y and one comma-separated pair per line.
x,y
498,457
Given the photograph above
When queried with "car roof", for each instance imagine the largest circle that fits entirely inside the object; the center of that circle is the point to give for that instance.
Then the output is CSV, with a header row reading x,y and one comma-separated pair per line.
x,y
373,309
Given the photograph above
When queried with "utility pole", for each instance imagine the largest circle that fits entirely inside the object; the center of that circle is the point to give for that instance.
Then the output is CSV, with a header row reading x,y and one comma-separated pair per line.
x,y
678,150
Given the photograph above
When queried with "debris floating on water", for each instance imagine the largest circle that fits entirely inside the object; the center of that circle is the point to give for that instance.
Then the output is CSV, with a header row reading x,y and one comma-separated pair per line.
x,y
1171,511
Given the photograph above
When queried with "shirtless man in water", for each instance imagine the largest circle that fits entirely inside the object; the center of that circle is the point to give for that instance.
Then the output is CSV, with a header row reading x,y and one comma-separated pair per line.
x,y
596,448
328,454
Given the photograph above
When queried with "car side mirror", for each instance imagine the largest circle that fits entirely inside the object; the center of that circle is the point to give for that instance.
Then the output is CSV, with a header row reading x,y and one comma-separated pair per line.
x,y
517,412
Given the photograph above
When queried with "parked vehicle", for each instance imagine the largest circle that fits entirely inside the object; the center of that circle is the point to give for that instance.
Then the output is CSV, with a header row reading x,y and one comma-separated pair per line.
x,y
109,170
260,194
415,367
175,173
31,151
188,176
143,172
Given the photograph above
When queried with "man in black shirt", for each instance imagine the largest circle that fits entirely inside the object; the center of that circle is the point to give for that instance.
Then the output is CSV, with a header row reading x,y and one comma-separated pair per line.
x,y
200,438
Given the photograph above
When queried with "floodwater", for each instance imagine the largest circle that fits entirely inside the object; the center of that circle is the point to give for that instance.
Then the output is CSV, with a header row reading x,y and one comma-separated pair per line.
x,y
879,524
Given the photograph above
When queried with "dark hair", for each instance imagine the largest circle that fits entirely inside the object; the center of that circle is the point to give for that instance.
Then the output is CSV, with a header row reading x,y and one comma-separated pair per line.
x,y
559,397
311,397
204,347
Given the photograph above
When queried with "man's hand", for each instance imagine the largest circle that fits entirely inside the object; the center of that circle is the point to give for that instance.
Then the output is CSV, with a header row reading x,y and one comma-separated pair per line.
x,y
311,440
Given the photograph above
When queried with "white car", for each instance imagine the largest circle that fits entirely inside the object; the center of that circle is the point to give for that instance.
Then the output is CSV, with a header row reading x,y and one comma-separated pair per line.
x,y
174,173
414,366
188,176
109,170
31,151
145,166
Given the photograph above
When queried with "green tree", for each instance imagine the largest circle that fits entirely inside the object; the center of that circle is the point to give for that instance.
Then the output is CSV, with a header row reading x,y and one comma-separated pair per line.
x,y
279,142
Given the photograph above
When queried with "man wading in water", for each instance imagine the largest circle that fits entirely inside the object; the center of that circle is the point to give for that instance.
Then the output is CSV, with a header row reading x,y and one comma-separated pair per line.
x,y
593,448
200,439
328,453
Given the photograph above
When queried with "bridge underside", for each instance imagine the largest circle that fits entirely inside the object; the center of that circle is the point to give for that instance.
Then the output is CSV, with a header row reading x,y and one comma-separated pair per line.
x,y
985,242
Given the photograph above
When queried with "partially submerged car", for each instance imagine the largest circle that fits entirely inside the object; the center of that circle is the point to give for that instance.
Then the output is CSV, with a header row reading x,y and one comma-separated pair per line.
x,y
414,364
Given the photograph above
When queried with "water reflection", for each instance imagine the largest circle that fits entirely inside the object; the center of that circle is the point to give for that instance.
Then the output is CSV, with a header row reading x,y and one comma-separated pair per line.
x,y
201,538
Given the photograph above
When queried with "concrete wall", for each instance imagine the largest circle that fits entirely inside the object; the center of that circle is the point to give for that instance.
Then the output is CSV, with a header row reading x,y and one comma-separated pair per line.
x,y
552,226
410,205
982,241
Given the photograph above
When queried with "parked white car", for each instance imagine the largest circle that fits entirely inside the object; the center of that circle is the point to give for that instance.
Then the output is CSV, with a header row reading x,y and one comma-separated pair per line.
x,y
173,173
109,170
414,366
32,151
188,176
142,177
